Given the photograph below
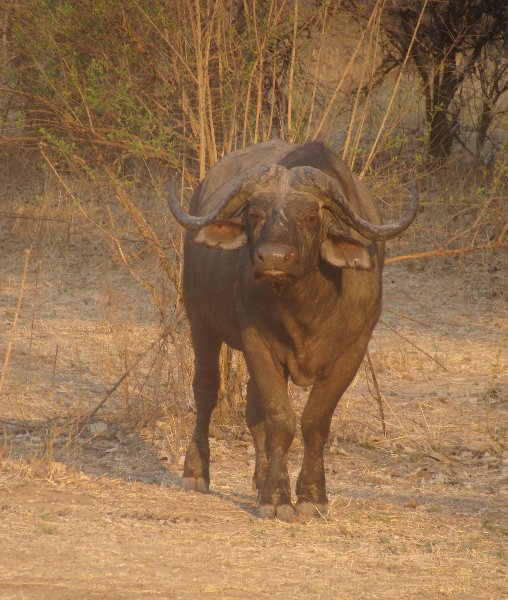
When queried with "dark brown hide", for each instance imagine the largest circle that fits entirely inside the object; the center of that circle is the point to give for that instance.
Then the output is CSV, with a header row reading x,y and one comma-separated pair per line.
x,y
297,291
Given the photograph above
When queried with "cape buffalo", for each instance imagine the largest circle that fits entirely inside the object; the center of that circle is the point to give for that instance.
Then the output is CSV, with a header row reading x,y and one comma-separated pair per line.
x,y
282,260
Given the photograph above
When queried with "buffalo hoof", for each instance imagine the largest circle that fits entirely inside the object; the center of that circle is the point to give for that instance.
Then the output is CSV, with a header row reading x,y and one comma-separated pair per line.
x,y
283,512
194,484
308,509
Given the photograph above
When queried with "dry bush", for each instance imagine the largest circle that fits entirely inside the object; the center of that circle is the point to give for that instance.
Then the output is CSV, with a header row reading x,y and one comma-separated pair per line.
x,y
106,99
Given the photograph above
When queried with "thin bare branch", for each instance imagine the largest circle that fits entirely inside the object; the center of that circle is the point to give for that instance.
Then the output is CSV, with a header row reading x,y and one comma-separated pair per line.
x,y
444,252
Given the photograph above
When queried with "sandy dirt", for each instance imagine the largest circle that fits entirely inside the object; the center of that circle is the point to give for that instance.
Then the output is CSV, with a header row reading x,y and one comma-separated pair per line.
x,y
421,513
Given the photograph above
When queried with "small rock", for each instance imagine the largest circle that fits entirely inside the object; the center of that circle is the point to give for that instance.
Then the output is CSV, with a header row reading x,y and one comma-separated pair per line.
x,y
503,471
57,468
475,447
121,436
216,433
439,456
488,458
339,450
466,455
251,451
430,477
98,428
438,478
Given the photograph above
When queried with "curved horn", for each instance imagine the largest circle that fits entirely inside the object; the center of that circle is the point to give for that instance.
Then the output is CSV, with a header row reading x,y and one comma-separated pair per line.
x,y
330,189
186,220
232,197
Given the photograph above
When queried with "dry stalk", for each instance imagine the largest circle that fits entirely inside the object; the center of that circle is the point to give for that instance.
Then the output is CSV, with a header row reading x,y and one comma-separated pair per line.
x,y
129,206
267,132
370,59
394,93
316,72
32,321
338,87
84,419
104,231
292,73
379,397
476,224
261,44
12,332
198,44
144,228
259,90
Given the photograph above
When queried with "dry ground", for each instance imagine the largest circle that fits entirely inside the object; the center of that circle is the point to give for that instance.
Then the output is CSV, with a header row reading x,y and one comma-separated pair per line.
x,y
421,514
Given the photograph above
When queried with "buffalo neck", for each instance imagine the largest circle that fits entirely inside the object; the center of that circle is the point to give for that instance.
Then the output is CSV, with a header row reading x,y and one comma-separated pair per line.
x,y
304,304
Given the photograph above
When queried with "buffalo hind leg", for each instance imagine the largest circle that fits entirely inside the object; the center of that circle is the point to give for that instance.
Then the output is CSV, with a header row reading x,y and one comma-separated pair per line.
x,y
316,420
196,470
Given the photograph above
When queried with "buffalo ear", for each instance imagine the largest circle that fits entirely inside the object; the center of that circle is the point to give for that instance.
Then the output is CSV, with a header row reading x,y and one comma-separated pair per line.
x,y
343,250
227,235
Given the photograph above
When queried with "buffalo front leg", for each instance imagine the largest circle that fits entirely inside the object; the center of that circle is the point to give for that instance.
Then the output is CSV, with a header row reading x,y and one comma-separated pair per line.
x,y
316,420
272,423
196,470
256,423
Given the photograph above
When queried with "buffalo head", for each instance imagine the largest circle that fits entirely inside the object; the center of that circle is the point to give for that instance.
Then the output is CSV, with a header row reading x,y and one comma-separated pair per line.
x,y
291,220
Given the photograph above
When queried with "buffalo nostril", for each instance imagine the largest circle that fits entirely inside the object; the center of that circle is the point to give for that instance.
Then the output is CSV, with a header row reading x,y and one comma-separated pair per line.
x,y
274,252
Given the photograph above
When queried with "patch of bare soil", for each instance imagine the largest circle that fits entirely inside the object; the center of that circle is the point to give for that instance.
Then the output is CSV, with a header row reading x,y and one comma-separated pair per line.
x,y
421,513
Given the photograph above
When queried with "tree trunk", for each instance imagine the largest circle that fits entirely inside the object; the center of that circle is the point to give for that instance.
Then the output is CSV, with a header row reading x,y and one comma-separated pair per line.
x,y
443,85
440,134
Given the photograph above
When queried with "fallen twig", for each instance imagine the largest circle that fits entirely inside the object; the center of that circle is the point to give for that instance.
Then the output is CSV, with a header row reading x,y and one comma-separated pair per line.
x,y
407,317
414,345
33,217
26,426
443,252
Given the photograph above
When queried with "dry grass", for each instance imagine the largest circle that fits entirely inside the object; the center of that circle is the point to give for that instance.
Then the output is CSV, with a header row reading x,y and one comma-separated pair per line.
x,y
96,512
97,363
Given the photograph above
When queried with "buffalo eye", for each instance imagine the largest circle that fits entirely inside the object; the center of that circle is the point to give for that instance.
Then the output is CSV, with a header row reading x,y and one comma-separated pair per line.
x,y
255,216
309,220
